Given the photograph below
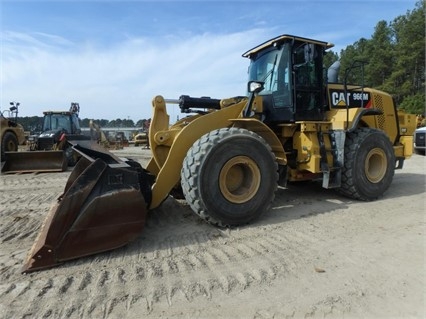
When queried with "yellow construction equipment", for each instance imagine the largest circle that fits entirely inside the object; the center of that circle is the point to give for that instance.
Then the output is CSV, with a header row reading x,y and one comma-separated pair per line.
x,y
228,157
141,139
51,151
11,132
98,135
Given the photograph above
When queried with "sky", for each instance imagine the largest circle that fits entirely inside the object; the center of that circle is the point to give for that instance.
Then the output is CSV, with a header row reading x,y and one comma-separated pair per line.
x,y
112,57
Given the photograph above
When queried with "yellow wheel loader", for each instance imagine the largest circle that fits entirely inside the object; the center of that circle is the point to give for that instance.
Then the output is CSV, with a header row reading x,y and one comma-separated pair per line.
x,y
228,156
11,132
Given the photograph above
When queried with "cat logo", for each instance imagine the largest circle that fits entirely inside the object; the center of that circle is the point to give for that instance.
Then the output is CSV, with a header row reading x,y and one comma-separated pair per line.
x,y
340,100
351,99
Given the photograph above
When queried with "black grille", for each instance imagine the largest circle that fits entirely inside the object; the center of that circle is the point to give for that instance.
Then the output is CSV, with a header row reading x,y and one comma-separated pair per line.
x,y
420,139
45,143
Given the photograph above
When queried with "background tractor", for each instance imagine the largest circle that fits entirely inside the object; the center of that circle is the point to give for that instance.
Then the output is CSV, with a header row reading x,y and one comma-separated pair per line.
x,y
230,155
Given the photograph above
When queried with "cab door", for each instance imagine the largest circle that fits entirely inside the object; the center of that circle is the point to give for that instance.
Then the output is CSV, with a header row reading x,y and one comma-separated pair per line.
x,y
308,81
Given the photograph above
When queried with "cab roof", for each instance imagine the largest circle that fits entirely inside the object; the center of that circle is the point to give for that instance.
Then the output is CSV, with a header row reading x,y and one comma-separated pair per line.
x,y
57,112
281,38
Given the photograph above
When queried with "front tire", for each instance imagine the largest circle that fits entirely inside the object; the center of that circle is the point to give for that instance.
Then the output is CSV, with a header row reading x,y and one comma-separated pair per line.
x,y
8,144
369,164
229,177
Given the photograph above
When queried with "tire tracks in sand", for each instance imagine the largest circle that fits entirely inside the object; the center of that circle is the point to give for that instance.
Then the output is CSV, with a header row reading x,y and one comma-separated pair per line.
x,y
176,258
179,260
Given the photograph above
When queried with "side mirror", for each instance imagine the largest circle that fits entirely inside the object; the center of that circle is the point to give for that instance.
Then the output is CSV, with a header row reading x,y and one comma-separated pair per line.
x,y
255,86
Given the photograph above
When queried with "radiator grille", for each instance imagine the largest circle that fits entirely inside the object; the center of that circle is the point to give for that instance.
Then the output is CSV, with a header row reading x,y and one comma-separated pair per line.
x,y
378,103
45,143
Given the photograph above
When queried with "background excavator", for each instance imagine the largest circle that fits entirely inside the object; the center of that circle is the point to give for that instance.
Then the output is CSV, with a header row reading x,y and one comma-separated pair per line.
x,y
228,157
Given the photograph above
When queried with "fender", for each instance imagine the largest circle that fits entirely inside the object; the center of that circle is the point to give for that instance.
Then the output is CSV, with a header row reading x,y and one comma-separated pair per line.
x,y
364,112
266,133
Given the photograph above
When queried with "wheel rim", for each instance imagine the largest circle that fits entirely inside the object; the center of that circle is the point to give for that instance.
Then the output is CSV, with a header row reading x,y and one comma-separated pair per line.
x,y
375,165
239,179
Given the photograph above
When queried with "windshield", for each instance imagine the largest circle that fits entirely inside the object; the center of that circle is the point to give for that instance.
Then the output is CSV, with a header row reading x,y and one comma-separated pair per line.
x,y
54,122
273,68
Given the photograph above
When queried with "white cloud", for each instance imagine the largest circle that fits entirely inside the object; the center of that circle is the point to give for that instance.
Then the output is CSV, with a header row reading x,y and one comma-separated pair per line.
x,y
44,71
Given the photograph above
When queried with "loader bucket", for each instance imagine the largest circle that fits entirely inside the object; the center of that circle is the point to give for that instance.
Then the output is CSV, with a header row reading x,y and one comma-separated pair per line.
x,y
103,207
34,162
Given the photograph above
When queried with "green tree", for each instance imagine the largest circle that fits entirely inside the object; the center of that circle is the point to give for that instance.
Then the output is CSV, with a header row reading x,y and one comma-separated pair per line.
x,y
396,59
32,124
85,122
381,56
329,58
128,123
115,123
407,80
143,123
353,55
414,104
103,123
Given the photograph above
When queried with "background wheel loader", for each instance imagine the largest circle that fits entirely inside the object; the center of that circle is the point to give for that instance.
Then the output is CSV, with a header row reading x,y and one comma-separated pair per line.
x,y
230,155
50,151
11,132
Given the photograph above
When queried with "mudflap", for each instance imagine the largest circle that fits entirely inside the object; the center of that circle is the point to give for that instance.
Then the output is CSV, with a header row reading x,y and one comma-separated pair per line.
x,y
103,207
34,162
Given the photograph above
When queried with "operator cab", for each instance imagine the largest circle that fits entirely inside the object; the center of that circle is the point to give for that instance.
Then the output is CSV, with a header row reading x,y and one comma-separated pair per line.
x,y
61,121
291,69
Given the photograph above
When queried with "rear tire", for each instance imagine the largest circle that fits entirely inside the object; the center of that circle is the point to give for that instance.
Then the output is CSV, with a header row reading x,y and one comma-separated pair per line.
x,y
229,177
8,144
70,156
369,164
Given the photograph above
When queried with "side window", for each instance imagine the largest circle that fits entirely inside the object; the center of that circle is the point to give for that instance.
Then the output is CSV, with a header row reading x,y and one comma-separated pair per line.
x,y
267,71
270,81
307,72
281,92
46,123
305,66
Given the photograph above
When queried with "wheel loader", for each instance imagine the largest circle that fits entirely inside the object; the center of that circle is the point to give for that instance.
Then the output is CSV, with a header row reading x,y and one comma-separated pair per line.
x,y
228,156
11,132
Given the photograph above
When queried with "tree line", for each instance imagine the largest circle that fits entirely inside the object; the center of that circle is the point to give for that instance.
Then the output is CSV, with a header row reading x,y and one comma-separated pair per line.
x,y
34,124
393,59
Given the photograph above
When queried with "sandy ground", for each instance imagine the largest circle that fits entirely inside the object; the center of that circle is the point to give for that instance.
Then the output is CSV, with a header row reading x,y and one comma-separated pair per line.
x,y
314,255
